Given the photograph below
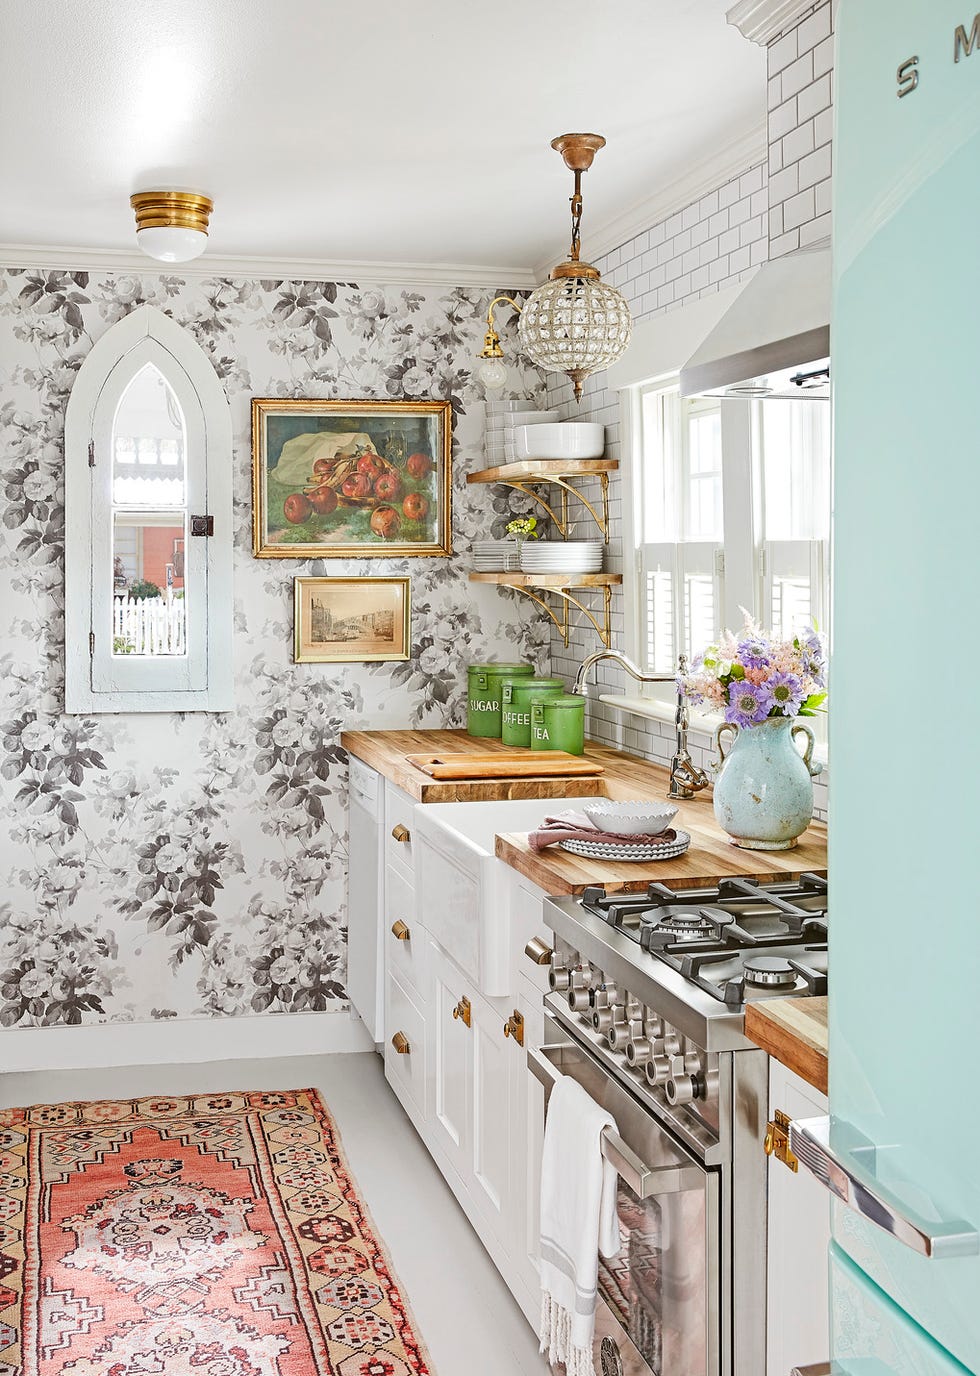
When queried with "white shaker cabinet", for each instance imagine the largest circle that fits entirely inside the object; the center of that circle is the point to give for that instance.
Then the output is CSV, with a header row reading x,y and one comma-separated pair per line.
x,y
798,1309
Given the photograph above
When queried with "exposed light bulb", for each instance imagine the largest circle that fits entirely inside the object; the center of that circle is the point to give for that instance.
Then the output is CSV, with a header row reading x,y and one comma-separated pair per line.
x,y
492,372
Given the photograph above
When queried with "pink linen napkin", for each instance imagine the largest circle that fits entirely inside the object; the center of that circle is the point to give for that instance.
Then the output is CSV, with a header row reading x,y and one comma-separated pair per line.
x,y
575,826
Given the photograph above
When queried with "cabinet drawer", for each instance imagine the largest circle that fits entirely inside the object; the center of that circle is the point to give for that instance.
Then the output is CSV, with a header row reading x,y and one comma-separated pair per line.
x,y
404,954
527,924
399,816
404,1071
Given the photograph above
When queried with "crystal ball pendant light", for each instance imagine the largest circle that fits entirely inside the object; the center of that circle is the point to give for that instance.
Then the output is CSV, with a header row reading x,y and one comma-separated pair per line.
x,y
575,324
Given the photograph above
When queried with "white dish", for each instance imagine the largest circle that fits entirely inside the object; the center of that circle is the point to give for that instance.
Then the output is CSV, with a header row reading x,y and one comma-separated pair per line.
x,y
609,850
631,818
570,439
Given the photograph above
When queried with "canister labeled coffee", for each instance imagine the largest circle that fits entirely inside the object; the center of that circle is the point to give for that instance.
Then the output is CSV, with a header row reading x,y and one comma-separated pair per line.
x,y
516,697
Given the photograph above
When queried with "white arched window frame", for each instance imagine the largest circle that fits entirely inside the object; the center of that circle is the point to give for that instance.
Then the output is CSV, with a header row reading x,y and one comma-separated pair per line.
x,y
96,678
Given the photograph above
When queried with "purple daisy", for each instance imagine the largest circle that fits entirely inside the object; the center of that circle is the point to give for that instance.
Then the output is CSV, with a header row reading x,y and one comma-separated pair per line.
x,y
753,653
748,703
787,693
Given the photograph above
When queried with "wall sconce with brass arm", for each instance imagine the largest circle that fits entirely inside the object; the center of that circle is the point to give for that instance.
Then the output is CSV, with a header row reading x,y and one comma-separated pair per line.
x,y
492,370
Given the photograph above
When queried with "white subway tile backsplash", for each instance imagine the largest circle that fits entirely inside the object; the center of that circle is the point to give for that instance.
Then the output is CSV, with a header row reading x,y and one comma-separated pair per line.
x,y
783,52
815,230
784,243
717,224
814,30
783,118
708,206
750,182
814,97
798,143
775,158
798,210
797,75
815,168
823,57
728,194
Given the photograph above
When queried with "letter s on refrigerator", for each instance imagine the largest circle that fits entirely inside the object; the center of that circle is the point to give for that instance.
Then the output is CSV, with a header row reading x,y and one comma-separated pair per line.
x,y
908,77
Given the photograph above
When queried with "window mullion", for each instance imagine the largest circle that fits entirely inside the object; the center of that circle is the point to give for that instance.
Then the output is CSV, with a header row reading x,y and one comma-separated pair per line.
x,y
741,522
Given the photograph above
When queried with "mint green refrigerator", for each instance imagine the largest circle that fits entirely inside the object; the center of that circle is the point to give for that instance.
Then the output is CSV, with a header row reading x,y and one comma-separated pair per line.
x,y
901,1151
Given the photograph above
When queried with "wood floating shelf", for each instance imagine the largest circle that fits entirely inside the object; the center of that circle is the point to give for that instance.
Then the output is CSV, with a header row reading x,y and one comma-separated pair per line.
x,y
559,585
561,473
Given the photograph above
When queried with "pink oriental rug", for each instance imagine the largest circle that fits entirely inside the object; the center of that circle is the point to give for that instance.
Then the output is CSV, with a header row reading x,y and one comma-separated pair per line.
x,y
214,1235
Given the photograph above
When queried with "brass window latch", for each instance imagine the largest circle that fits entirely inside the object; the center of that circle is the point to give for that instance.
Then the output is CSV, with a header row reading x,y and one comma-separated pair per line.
x,y
514,1027
777,1140
462,1011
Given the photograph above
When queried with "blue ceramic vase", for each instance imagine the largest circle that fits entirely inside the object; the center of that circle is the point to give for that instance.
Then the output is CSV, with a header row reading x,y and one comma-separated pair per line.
x,y
763,796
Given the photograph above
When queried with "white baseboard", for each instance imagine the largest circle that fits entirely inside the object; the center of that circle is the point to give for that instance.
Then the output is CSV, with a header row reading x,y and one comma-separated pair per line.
x,y
183,1041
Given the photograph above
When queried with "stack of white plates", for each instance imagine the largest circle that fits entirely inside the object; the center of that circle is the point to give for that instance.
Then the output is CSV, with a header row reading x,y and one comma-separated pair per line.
x,y
561,556
500,431
496,556
619,850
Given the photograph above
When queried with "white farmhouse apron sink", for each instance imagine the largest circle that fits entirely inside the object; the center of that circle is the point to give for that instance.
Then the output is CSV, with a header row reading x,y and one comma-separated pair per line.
x,y
462,897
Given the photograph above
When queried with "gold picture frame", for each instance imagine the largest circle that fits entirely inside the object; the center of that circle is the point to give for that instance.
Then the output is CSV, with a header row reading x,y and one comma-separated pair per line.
x,y
351,620
351,479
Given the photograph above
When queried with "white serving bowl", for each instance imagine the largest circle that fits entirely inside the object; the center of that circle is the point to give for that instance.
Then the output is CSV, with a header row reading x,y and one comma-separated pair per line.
x,y
569,439
638,818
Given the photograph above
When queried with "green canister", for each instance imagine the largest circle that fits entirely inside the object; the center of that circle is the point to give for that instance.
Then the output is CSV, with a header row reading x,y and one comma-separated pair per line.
x,y
559,724
483,699
516,699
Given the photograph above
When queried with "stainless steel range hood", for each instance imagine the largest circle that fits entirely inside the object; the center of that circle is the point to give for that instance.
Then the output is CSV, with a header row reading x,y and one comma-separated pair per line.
x,y
774,341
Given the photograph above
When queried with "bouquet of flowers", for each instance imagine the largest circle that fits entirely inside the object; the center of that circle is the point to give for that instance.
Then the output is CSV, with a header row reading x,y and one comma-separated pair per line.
x,y
752,676
522,528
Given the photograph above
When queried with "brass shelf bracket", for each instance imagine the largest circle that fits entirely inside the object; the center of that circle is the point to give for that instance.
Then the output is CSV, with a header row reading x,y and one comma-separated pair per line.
x,y
527,486
602,629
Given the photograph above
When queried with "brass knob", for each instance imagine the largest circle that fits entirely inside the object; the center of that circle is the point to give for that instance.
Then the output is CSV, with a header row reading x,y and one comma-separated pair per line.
x,y
538,952
514,1027
400,1042
401,833
462,1010
399,931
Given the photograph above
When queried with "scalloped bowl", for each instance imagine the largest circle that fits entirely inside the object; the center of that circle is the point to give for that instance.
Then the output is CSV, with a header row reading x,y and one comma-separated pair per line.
x,y
637,818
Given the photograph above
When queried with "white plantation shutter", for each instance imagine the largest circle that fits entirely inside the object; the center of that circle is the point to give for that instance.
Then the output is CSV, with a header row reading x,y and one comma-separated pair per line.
x,y
682,596
793,582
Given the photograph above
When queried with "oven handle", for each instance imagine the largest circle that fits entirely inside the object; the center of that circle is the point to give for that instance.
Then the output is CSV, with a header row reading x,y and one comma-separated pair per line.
x,y
645,1181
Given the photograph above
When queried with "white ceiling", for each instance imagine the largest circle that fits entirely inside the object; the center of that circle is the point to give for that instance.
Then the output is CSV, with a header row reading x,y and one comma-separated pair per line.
x,y
365,131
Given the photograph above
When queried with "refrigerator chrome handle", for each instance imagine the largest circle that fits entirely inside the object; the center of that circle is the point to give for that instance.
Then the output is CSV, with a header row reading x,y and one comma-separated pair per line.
x,y
858,1187
645,1181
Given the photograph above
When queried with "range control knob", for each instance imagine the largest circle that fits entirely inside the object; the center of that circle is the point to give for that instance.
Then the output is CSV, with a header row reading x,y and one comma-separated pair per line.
x,y
639,1049
671,1041
686,1083
559,976
579,999
634,1008
657,1071
606,995
618,1036
604,1019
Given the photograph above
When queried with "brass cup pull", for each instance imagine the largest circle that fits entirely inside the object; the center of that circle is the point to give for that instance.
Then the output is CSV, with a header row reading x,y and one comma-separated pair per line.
x,y
401,833
537,952
400,1042
514,1027
462,1011
399,931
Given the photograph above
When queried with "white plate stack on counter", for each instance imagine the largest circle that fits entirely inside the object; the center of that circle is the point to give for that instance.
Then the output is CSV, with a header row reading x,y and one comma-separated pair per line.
x,y
503,417
561,556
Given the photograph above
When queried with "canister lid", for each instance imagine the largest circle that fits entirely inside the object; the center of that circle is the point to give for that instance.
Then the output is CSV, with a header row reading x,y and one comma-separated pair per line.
x,y
495,668
538,685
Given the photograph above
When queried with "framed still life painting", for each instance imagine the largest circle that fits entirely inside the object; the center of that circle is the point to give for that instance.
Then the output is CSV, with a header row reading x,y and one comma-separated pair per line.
x,y
350,479
343,620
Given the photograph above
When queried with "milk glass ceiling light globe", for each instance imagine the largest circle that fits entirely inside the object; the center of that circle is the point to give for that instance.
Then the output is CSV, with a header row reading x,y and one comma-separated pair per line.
x,y
575,324
492,372
171,226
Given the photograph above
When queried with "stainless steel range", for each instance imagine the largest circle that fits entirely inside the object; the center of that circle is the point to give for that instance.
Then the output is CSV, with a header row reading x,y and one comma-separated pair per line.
x,y
647,1011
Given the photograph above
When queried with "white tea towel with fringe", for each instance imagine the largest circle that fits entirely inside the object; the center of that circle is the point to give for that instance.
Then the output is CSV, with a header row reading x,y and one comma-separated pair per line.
x,y
578,1221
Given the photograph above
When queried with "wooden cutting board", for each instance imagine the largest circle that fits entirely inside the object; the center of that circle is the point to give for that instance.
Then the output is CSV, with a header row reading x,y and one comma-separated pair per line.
x,y
541,764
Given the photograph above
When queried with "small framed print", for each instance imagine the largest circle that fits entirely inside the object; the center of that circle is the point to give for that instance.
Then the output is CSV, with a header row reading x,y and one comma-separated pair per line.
x,y
350,479
351,620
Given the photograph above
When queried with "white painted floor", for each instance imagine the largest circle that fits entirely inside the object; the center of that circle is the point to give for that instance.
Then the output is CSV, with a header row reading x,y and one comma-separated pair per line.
x,y
465,1314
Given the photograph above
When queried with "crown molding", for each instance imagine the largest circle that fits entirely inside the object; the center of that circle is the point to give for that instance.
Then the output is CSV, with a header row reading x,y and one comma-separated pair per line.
x,y
763,20
55,256
727,161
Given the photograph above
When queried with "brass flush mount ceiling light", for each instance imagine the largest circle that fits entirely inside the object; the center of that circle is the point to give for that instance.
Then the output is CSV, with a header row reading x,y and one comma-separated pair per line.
x,y
172,226
575,324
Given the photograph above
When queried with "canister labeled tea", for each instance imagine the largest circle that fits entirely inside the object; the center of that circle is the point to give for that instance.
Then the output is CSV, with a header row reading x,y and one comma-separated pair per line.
x,y
483,715
559,724
516,698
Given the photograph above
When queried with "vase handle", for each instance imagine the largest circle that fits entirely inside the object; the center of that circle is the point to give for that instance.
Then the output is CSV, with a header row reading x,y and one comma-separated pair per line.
x,y
801,728
725,726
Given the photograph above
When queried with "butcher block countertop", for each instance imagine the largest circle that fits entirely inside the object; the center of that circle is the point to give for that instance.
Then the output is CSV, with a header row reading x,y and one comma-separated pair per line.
x,y
711,855
794,1031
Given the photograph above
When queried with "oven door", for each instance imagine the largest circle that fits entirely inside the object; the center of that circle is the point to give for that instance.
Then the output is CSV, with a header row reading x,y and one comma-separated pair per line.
x,y
660,1300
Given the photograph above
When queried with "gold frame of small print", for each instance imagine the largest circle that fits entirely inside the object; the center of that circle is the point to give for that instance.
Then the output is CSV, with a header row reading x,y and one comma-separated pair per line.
x,y
351,620
374,475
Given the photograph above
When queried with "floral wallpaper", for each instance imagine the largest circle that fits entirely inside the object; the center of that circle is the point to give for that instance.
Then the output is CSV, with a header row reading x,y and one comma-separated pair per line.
x,y
192,866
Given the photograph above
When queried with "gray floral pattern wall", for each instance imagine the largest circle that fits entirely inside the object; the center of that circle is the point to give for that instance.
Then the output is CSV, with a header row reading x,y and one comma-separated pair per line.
x,y
194,866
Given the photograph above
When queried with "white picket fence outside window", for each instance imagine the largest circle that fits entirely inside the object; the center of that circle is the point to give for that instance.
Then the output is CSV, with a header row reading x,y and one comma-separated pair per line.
x,y
149,625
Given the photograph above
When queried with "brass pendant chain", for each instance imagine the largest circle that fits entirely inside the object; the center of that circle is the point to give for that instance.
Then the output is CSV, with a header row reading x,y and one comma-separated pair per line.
x,y
576,203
